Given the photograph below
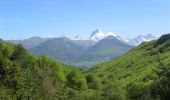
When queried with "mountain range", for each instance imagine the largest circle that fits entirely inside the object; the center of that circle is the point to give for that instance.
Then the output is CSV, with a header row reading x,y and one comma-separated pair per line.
x,y
76,51
139,39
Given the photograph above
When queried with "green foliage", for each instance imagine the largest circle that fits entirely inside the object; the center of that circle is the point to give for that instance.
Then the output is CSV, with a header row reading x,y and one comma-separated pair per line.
x,y
76,81
114,92
93,82
24,76
19,52
163,39
162,84
137,91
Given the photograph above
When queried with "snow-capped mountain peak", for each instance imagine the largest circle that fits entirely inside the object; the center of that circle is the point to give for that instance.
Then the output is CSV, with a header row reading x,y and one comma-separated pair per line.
x,y
139,39
150,37
98,35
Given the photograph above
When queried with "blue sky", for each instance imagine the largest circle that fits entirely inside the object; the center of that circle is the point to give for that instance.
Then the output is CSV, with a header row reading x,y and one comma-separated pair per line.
x,y
21,19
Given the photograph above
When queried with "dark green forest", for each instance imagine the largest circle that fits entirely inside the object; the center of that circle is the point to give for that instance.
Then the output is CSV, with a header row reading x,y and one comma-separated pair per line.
x,y
143,73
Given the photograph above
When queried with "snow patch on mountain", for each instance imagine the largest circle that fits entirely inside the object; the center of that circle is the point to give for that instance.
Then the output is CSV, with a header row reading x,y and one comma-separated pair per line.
x,y
73,38
77,38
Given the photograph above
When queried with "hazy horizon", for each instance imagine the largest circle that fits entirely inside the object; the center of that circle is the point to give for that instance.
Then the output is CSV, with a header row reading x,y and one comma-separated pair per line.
x,y
72,36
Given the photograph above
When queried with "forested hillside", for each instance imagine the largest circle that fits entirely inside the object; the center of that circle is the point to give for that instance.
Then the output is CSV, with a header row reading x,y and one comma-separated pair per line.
x,y
24,76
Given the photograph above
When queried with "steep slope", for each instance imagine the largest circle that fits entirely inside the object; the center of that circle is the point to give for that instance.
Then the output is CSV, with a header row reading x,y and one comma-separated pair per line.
x,y
141,74
62,49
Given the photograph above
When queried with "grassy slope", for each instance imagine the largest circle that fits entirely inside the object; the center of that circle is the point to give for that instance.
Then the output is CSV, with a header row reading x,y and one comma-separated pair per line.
x,y
137,66
126,67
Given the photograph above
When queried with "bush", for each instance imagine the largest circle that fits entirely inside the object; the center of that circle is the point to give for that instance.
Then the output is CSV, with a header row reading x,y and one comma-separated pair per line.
x,y
163,38
114,92
93,82
76,81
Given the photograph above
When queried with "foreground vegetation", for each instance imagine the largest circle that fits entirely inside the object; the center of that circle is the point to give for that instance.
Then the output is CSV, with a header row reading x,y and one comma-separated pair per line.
x,y
141,74
24,76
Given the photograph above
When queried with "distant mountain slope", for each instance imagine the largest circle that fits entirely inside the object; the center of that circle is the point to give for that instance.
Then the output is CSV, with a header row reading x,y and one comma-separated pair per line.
x,y
107,48
29,43
84,43
81,52
101,46
62,49
140,74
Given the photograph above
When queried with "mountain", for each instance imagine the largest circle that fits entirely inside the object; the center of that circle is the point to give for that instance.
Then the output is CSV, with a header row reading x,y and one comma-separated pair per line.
x,y
29,43
107,48
84,43
139,39
62,49
140,74
95,37
76,50
81,53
